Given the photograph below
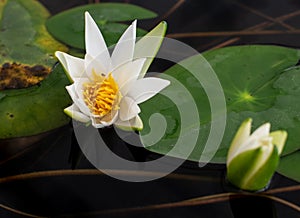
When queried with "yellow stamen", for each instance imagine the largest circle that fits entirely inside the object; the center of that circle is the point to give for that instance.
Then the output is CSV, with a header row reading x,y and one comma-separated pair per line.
x,y
102,95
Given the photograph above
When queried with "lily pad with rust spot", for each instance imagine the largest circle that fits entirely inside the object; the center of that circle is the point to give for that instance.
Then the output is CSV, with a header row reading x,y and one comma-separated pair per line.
x,y
32,90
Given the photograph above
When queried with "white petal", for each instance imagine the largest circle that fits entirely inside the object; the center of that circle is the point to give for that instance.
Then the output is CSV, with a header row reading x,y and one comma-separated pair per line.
x,y
127,74
94,41
79,102
97,125
124,125
74,112
72,92
128,109
262,131
123,52
78,86
146,88
73,65
101,124
253,143
250,143
92,65
135,123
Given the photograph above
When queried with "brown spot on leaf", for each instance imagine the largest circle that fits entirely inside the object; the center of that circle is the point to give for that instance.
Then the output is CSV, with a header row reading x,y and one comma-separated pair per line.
x,y
17,76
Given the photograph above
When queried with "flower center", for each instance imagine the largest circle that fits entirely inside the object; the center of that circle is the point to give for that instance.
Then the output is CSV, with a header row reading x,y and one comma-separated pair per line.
x,y
102,95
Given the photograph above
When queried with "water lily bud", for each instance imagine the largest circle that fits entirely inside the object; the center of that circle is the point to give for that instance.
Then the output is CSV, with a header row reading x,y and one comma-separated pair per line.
x,y
253,158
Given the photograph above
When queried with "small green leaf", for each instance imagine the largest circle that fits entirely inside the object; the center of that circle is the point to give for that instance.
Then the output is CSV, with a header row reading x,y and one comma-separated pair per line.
x,y
289,166
68,26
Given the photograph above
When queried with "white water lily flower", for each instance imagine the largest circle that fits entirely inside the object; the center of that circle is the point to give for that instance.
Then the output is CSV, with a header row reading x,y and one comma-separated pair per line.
x,y
107,88
253,158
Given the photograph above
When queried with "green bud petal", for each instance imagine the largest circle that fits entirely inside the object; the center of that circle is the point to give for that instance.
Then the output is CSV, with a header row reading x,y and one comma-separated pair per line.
x,y
76,115
253,169
148,45
264,174
279,139
242,134
132,125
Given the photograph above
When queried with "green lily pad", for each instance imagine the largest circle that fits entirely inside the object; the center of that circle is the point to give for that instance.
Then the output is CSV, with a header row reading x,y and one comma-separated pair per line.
x,y
23,37
36,109
258,82
2,95
288,166
25,41
106,15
